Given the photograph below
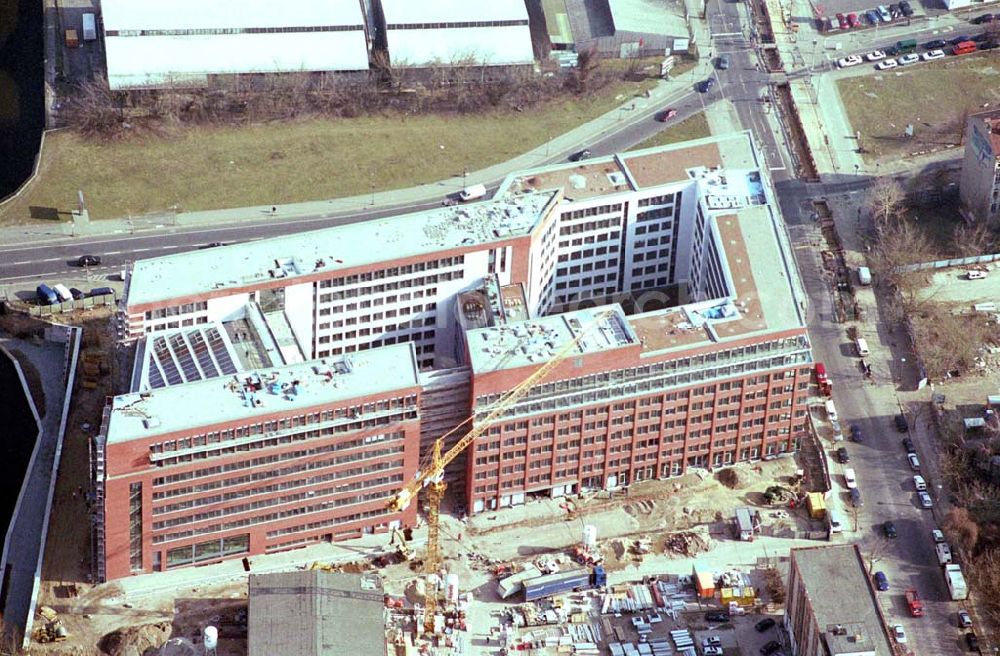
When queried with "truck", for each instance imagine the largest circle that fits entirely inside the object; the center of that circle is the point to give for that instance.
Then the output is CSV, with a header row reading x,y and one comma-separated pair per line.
x,y
89,27
512,584
550,585
914,604
956,581
906,46
472,192
823,380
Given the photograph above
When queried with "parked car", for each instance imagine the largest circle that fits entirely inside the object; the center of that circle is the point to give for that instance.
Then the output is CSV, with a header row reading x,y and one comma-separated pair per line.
x,y
666,115
881,581
856,500
852,20
908,445
901,424
88,260
895,11
883,13
770,648
723,62
580,155
932,55
842,21
887,64
872,17
934,44
925,500
905,7
979,38
890,529
706,85
77,293
214,244
964,619
764,624
851,60
911,58
914,461
717,616
899,634
959,39
856,433
972,641
919,483
983,18
875,55
842,456
101,291
937,535
989,45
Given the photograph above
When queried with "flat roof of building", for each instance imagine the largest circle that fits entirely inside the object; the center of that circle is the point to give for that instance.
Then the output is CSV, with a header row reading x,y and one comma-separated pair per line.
x,y
233,397
648,16
535,341
407,12
839,594
314,613
332,249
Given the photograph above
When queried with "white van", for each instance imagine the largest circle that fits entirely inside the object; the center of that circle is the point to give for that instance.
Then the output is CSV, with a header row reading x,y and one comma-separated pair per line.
x,y
943,550
835,525
861,344
62,292
472,193
831,411
849,479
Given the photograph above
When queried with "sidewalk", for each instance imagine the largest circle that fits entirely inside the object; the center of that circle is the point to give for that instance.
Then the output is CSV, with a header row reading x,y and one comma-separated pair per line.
x,y
632,111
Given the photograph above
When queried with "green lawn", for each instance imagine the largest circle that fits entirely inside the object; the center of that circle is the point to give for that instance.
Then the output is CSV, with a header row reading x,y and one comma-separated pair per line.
x,y
213,167
693,127
932,97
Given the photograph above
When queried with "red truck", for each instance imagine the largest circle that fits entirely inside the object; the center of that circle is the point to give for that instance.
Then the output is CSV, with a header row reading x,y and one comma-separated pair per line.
x,y
825,386
913,602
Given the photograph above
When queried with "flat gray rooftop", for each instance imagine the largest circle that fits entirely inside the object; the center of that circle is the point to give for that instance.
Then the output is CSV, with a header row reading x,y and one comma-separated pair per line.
x,y
535,341
229,398
839,593
331,249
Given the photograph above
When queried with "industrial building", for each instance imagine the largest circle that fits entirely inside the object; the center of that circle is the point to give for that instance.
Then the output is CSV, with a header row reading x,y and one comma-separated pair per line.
x,y
187,42
457,32
661,280
315,613
979,187
830,605
614,28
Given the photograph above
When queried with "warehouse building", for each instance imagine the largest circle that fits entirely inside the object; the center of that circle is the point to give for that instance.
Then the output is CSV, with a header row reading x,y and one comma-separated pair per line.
x,y
614,28
457,32
831,607
188,42
665,274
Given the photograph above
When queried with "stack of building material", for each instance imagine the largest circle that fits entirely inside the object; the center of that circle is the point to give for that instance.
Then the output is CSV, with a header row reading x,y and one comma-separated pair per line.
x,y
682,639
660,647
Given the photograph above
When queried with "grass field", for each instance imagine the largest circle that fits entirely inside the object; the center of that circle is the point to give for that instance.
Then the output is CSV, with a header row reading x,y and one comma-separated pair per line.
x,y
211,167
693,127
932,97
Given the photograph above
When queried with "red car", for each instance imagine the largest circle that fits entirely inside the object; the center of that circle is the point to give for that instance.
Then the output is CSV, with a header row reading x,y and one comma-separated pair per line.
x,y
666,115
842,19
852,20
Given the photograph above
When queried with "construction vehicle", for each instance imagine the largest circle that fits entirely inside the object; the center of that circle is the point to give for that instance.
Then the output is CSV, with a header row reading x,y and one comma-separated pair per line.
x,y
402,550
431,472
51,629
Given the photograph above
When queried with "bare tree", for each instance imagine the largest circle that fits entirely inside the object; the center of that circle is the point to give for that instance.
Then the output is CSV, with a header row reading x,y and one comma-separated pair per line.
x,y
899,243
91,110
974,239
885,200
876,552
963,531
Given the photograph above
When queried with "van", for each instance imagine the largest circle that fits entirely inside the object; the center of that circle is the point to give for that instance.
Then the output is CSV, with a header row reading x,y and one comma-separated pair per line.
x,y
861,344
831,410
63,292
45,295
101,291
849,479
864,276
472,193
943,550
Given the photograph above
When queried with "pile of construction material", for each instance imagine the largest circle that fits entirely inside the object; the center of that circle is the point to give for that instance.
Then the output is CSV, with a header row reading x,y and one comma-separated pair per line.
x,y
683,641
686,544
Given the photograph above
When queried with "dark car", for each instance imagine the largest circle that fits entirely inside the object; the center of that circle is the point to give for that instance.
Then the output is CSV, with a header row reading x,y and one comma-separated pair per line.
x,y
764,624
895,11
881,581
935,44
842,456
856,434
88,260
666,115
983,18
979,38
101,291
989,45
972,641
890,530
581,155
905,7
723,62
959,39
770,648
901,424
842,21
717,616
908,445
706,85
856,500
77,294
872,17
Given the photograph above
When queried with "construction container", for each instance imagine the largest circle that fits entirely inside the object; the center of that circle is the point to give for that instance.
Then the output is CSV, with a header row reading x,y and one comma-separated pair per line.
x,y
816,505
72,39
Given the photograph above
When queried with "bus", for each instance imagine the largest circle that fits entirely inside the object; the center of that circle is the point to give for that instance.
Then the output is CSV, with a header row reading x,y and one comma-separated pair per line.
x,y
964,48
906,46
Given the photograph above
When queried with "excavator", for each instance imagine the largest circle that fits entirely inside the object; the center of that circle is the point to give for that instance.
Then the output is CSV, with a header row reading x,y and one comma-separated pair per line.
x,y
50,629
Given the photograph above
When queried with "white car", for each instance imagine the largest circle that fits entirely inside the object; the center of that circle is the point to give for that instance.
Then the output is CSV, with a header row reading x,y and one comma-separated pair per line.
x,y
925,500
919,483
852,60
914,461
912,58
932,55
899,634
887,64
875,55
938,536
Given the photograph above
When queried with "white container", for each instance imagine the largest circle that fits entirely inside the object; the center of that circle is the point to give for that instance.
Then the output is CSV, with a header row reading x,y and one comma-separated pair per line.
x,y
589,536
451,588
211,637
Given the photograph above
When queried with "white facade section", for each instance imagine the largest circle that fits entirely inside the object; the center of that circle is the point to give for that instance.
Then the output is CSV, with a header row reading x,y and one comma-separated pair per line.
x,y
157,44
457,31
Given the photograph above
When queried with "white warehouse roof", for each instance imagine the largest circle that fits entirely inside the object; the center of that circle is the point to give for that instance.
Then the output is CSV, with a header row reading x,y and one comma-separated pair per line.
x,y
494,32
155,43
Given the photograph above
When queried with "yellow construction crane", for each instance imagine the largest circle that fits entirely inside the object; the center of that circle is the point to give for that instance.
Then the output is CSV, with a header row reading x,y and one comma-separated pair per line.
x,y
431,474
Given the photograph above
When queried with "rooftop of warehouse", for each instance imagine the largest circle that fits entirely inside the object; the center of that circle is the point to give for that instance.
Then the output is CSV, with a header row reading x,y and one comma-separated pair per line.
x,y
297,255
246,394
839,595
229,14
430,14
534,341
